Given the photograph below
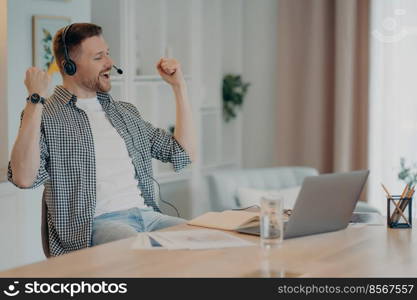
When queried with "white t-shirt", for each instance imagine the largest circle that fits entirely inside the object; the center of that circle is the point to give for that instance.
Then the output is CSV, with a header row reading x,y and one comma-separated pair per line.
x,y
117,188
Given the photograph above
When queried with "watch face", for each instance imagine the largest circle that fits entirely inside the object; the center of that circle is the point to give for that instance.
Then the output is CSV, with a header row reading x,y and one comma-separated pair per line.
x,y
34,98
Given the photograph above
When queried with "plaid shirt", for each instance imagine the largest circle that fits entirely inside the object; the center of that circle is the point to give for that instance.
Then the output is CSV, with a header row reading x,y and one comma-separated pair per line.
x,y
68,166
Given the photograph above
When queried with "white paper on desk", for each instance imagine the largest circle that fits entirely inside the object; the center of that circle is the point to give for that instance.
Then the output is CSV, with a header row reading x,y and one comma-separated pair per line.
x,y
198,239
142,241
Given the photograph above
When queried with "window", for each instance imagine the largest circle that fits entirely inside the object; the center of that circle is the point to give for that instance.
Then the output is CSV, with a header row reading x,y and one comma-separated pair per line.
x,y
393,95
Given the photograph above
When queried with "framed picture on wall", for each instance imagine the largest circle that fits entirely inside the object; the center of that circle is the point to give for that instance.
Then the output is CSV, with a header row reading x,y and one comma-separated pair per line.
x,y
43,31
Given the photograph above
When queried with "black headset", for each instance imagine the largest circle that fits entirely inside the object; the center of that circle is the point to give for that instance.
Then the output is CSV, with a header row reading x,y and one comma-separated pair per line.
x,y
69,65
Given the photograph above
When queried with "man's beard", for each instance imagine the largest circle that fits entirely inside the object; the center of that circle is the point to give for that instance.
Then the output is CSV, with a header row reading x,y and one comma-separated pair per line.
x,y
97,85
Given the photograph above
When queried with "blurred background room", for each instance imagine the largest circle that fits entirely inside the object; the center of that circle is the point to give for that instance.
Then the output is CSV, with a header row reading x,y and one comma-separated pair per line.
x,y
323,84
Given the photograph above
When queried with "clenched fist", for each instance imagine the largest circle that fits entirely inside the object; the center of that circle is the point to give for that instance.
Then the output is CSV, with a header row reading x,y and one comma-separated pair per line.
x,y
37,81
170,71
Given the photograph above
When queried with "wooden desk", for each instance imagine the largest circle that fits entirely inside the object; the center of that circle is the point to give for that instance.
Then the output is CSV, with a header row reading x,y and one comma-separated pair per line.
x,y
373,251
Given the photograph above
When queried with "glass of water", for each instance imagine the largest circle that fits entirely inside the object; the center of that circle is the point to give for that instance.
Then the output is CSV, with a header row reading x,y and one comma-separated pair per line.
x,y
272,220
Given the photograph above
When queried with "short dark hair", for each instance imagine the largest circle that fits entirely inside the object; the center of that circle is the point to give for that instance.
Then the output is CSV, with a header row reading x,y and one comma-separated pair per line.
x,y
74,37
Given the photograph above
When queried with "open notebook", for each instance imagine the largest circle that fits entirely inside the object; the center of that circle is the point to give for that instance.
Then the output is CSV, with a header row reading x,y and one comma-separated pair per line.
x,y
226,220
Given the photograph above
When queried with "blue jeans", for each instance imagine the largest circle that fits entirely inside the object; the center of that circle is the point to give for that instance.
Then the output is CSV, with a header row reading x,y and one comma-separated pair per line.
x,y
127,223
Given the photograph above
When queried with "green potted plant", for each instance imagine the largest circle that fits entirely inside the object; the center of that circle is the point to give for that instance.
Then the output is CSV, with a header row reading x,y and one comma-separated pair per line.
x,y
408,174
234,91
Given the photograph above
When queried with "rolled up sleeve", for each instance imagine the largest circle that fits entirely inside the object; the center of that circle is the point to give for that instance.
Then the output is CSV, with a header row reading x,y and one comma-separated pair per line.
x,y
166,148
43,174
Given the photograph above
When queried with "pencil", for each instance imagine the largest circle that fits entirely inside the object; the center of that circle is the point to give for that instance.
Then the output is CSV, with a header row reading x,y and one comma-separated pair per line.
x,y
386,191
399,211
396,215
405,202
405,191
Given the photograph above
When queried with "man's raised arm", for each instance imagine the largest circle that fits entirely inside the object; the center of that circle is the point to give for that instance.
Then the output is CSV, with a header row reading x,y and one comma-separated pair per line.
x,y
25,156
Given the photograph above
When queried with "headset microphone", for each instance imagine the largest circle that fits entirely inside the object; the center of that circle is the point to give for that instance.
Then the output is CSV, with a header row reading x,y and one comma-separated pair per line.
x,y
120,71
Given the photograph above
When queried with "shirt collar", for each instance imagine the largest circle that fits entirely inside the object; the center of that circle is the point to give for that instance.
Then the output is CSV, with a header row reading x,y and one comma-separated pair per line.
x,y
66,97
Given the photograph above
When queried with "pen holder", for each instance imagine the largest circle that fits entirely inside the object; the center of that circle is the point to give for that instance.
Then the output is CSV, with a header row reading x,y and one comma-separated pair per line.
x,y
399,214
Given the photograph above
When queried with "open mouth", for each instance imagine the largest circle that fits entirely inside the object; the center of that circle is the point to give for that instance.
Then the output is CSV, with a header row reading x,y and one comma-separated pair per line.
x,y
105,75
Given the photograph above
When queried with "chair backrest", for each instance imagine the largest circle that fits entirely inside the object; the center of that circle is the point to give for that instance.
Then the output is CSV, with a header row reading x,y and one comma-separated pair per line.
x,y
223,185
44,228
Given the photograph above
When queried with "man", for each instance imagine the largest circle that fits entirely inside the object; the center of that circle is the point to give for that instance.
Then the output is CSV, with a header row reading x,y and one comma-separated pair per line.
x,y
92,153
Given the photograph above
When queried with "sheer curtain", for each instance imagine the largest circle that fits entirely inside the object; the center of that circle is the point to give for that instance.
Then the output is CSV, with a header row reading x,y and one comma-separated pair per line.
x,y
393,95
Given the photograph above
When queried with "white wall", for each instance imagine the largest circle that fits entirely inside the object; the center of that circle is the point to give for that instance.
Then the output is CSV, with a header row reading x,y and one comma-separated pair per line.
x,y
20,210
260,69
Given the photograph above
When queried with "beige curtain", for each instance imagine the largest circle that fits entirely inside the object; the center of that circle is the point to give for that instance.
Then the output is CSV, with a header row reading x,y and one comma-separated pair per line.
x,y
323,84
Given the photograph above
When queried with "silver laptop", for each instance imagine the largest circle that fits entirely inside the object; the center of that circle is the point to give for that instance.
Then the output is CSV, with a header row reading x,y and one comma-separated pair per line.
x,y
325,203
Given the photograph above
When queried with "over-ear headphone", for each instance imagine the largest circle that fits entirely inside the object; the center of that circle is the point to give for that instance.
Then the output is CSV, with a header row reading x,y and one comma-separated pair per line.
x,y
69,65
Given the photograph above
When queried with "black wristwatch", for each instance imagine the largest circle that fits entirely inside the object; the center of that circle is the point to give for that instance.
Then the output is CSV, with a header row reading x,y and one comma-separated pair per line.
x,y
35,98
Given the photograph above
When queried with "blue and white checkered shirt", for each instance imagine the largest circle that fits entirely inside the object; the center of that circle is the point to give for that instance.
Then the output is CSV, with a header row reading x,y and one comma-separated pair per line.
x,y
68,166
